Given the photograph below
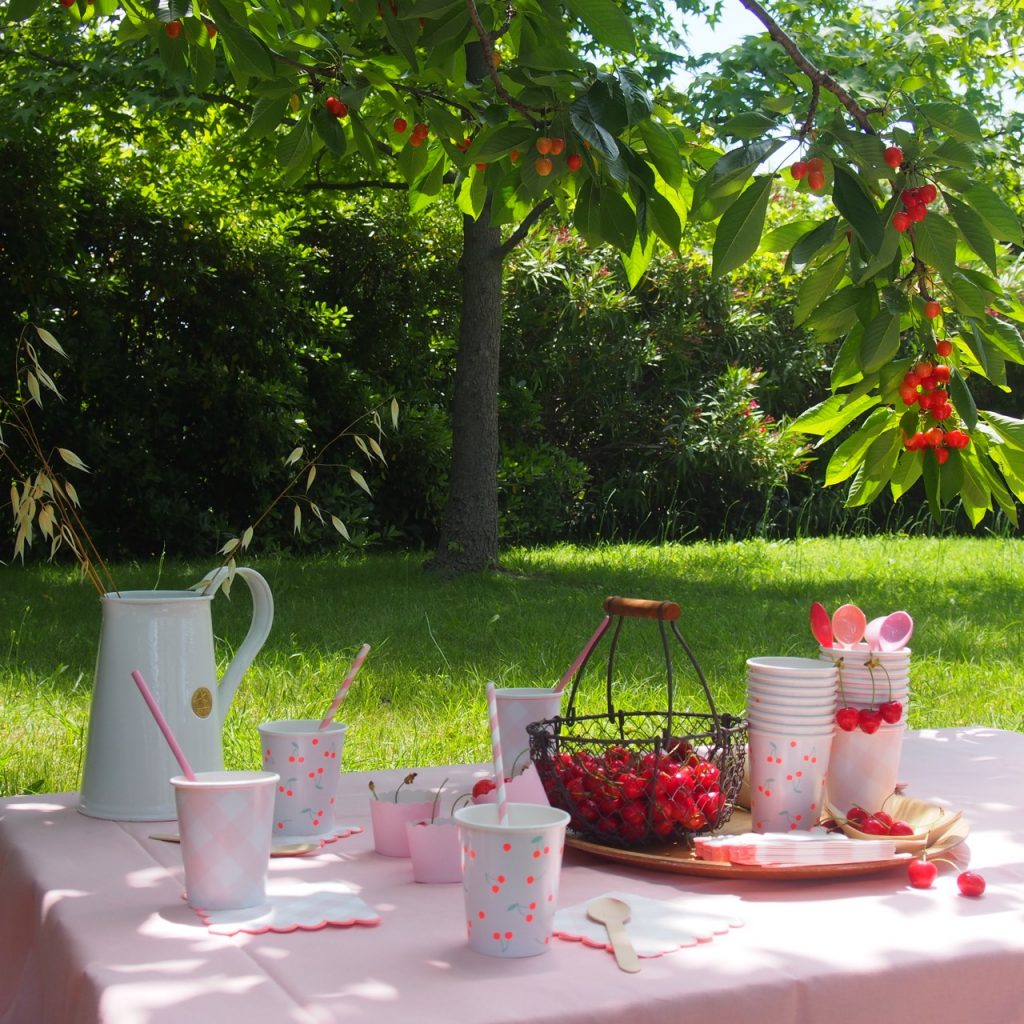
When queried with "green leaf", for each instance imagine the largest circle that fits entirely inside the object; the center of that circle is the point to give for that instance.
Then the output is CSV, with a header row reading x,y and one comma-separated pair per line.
x,y
846,366
836,315
963,400
831,416
739,230
860,212
267,114
818,285
637,260
731,170
935,239
634,91
1009,430
296,147
967,299
1004,337
19,10
586,215
930,469
618,219
1001,221
494,145
881,342
849,456
876,472
608,23
906,474
784,237
953,120
330,130
663,151
751,124
587,127
974,230
801,253
249,55
664,220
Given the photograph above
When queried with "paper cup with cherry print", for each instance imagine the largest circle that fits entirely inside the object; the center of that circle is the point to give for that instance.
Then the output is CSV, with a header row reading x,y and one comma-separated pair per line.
x,y
518,707
510,876
864,767
308,759
224,818
787,777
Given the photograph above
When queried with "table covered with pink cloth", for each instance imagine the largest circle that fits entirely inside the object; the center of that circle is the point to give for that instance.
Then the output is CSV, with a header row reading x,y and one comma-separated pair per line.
x,y
93,927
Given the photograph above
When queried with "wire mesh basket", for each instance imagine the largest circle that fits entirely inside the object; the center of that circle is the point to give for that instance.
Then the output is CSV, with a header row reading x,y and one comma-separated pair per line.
x,y
635,778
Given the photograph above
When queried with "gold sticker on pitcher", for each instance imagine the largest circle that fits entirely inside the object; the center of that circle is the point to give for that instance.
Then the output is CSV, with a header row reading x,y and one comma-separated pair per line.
x,y
202,702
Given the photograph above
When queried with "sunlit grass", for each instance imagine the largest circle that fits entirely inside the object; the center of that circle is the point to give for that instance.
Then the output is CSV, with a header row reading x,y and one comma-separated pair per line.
x,y
420,697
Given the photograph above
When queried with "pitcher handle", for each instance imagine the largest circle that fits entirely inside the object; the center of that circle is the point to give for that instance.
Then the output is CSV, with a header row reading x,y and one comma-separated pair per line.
x,y
259,629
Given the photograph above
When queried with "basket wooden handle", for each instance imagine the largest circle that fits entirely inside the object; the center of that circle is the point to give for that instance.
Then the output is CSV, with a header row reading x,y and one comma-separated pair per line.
x,y
639,608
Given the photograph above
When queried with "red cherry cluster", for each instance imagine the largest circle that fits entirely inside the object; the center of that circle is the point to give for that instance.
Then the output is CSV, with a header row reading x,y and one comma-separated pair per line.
x,y
335,107
925,385
915,206
813,170
628,798
880,823
869,720
419,134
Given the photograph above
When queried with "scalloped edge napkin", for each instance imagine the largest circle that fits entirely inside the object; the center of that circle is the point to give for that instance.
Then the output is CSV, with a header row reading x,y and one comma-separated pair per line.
x,y
655,926
293,906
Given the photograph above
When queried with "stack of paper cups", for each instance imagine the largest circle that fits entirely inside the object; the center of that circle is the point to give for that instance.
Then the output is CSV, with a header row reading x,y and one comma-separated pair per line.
x,y
791,706
864,766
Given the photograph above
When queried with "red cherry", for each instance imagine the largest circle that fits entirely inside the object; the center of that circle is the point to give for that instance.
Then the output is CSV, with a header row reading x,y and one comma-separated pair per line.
x,y
932,309
815,164
873,827
928,193
173,29
574,162
921,873
891,711
557,146
543,145
847,719
941,456
483,787
856,814
884,817
543,165
869,721
944,348
901,221
908,394
970,883
893,156
815,180
400,124
67,3
917,212
799,170
900,828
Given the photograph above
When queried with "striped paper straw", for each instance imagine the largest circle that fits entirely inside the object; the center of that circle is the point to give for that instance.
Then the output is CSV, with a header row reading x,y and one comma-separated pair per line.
x,y
345,684
165,728
499,769
582,656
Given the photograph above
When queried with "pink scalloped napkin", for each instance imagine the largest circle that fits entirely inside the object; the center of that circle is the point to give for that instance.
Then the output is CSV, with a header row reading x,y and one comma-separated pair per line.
x,y
655,926
294,906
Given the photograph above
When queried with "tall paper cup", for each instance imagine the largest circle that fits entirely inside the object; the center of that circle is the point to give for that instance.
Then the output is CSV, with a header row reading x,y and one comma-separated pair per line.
x,y
308,759
787,778
510,875
864,768
224,819
518,706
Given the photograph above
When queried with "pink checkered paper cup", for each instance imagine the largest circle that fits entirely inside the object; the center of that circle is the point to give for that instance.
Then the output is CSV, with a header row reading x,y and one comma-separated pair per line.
x,y
308,759
788,767
510,875
224,819
517,707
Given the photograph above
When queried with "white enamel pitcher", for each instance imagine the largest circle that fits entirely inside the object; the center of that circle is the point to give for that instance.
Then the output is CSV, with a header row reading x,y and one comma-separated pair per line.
x,y
168,636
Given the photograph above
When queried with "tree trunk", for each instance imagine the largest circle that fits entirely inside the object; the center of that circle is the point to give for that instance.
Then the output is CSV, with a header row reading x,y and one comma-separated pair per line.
x,y
469,534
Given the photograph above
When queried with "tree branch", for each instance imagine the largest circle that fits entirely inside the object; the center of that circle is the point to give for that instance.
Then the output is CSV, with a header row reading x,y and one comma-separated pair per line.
x,y
820,79
524,228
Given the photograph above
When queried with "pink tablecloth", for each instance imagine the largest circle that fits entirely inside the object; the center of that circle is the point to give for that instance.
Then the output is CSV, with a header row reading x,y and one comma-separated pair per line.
x,y
93,928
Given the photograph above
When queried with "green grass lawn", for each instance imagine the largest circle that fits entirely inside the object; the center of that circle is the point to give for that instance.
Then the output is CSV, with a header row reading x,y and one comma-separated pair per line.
x,y
420,696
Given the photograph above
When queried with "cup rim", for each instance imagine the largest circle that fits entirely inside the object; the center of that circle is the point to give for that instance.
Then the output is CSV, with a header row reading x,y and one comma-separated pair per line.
x,y
477,815
302,727
226,779
527,693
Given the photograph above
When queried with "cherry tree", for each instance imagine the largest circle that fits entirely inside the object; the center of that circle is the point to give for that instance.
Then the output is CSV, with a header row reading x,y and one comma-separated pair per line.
x,y
522,113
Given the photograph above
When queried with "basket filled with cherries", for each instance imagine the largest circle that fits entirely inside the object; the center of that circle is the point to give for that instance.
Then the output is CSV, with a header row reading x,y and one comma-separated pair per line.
x,y
635,778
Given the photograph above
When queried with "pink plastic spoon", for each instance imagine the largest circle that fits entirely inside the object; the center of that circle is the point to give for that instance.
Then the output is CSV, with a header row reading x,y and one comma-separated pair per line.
x,y
895,631
821,624
848,625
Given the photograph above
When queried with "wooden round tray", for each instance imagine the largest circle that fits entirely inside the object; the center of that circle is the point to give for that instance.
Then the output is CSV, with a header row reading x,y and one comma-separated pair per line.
x,y
681,860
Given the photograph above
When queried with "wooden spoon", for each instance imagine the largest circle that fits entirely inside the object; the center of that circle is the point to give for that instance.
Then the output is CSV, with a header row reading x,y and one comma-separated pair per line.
x,y
614,914
284,850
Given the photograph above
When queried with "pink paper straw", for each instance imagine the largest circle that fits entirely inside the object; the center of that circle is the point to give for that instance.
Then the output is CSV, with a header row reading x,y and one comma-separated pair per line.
x,y
582,656
165,728
499,769
345,684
